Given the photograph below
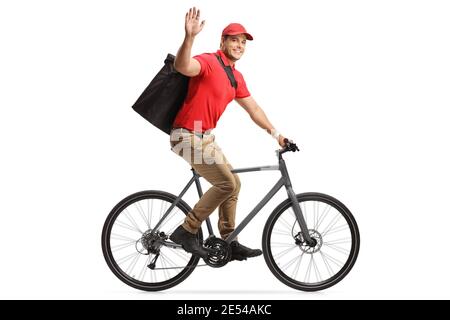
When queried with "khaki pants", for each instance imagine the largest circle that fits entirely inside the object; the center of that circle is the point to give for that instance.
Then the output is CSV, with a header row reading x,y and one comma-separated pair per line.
x,y
207,159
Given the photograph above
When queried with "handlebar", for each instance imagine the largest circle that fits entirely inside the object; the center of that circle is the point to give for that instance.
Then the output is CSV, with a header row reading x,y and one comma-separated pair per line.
x,y
290,146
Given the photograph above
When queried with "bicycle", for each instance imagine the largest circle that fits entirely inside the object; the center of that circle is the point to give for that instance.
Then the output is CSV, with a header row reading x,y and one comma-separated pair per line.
x,y
137,249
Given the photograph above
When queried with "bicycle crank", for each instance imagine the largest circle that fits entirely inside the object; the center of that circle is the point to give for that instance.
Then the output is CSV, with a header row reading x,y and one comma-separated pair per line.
x,y
220,252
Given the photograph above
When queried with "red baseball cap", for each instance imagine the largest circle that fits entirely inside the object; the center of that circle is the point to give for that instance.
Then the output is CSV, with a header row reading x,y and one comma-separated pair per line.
x,y
236,28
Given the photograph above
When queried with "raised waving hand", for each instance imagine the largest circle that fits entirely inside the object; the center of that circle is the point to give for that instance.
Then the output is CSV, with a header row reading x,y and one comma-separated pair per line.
x,y
192,22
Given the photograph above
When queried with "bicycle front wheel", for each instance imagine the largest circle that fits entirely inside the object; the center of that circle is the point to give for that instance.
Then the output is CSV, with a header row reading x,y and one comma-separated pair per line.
x,y
336,243
136,253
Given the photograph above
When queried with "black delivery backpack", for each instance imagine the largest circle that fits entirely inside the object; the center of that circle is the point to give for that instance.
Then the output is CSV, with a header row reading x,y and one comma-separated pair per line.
x,y
164,96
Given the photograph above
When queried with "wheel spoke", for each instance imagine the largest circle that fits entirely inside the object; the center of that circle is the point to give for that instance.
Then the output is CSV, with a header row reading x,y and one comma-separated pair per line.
x,y
131,219
282,233
335,244
316,269
334,260
142,214
337,248
150,212
284,252
331,224
172,214
279,244
127,226
172,229
170,263
126,258
144,269
327,265
163,210
115,236
152,274
122,246
297,266
323,216
290,262
132,264
337,229
339,241
284,223
308,271
164,266
316,214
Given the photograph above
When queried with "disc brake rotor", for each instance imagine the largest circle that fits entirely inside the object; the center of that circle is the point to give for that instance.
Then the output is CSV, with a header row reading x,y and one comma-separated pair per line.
x,y
306,248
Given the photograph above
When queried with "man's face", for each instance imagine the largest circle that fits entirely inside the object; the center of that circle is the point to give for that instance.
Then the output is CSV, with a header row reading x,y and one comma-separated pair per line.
x,y
233,46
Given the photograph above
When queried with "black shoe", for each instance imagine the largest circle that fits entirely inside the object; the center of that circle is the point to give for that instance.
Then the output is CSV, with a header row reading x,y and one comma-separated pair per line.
x,y
241,252
188,241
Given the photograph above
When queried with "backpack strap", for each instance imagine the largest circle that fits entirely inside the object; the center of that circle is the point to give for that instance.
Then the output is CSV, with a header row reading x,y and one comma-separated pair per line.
x,y
228,71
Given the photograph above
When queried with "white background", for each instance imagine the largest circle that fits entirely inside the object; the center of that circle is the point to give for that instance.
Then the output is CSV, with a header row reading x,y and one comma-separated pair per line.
x,y
361,86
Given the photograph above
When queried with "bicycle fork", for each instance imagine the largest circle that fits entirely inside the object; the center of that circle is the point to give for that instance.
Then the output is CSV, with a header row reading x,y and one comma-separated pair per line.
x,y
295,205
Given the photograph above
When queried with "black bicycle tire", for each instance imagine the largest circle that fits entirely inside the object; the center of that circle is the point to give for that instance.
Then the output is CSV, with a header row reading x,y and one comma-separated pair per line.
x,y
106,232
354,230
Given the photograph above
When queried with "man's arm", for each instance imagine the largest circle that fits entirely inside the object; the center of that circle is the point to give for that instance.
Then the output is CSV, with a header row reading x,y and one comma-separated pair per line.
x,y
184,63
259,117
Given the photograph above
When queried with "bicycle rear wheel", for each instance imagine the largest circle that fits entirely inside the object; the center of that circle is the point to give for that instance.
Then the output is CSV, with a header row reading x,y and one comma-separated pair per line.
x,y
129,246
304,267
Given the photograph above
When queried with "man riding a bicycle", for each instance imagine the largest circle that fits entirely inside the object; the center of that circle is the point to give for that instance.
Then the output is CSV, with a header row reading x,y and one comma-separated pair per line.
x,y
310,241
208,95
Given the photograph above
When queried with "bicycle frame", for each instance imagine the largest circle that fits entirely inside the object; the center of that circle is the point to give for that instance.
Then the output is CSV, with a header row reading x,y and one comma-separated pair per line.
x,y
283,181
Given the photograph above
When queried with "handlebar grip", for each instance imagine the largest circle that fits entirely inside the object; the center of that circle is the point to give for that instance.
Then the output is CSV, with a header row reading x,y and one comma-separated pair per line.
x,y
290,145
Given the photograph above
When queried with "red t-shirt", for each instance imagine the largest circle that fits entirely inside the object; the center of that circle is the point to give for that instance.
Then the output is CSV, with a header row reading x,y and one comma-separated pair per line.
x,y
209,93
